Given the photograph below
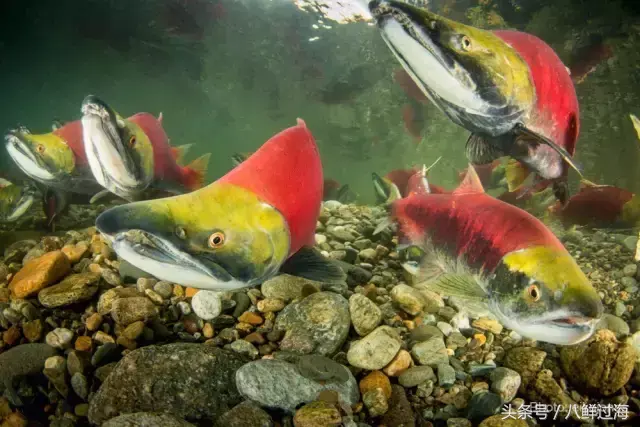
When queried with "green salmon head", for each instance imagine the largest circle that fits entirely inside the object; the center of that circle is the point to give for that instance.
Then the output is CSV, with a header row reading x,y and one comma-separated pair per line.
x,y
45,158
15,201
220,237
385,190
542,294
472,75
120,154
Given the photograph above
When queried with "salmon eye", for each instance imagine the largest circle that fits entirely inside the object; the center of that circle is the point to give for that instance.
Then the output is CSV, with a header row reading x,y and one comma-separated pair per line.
x,y
40,149
533,292
132,140
181,233
216,240
466,43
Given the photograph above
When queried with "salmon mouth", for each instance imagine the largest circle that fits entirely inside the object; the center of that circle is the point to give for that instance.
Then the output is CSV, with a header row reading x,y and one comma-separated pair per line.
x,y
110,158
143,244
25,157
560,328
412,35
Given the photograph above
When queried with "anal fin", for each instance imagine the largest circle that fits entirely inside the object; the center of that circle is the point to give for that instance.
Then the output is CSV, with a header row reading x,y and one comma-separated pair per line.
x,y
312,265
481,151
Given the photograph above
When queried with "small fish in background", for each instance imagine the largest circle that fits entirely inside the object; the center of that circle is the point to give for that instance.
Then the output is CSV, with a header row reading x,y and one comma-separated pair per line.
x,y
498,259
410,88
413,122
587,59
398,183
601,206
130,156
346,88
510,89
239,230
333,190
393,185
15,200
419,184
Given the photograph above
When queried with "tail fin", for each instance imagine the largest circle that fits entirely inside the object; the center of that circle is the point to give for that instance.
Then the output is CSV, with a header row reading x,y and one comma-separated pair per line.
x,y
515,174
195,172
180,152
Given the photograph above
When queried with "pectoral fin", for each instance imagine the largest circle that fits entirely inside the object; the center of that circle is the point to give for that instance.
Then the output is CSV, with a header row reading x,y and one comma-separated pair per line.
x,y
480,151
312,265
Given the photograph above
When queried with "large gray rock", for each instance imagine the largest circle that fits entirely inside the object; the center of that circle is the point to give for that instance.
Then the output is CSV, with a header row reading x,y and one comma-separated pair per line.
x,y
189,381
146,419
281,385
318,324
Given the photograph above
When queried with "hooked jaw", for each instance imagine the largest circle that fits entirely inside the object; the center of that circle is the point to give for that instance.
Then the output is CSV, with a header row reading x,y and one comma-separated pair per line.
x,y
110,157
562,327
145,238
18,208
171,238
415,38
567,307
22,153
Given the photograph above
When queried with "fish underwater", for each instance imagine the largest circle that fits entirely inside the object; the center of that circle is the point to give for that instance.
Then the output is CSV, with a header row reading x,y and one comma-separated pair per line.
x,y
15,200
601,206
129,156
508,88
238,231
54,159
488,253
397,183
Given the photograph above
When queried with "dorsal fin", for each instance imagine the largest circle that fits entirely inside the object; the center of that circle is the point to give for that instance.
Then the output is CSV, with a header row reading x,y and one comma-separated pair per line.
x,y
180,152
301,122
471,183
160,117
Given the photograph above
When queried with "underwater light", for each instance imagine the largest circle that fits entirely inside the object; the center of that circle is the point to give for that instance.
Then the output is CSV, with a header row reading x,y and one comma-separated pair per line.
x,y
339,11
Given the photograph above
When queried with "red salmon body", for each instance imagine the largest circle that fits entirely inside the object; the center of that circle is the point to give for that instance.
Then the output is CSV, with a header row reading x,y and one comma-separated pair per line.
x,y
274,172
473,225
164,160
603,205
556,111
71,133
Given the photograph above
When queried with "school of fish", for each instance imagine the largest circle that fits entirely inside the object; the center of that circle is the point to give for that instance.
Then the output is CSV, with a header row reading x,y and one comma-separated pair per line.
x,y
485,242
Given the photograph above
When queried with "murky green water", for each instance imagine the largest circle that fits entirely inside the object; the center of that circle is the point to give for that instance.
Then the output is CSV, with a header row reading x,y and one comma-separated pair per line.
x,y
227,75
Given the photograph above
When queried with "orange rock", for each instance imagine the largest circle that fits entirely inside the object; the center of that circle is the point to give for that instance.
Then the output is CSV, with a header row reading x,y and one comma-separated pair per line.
x,y
39,273
93,322
12,335
400,363
255,338
75,252
84,343
251,318
15,419
189,292
207,330
374,380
